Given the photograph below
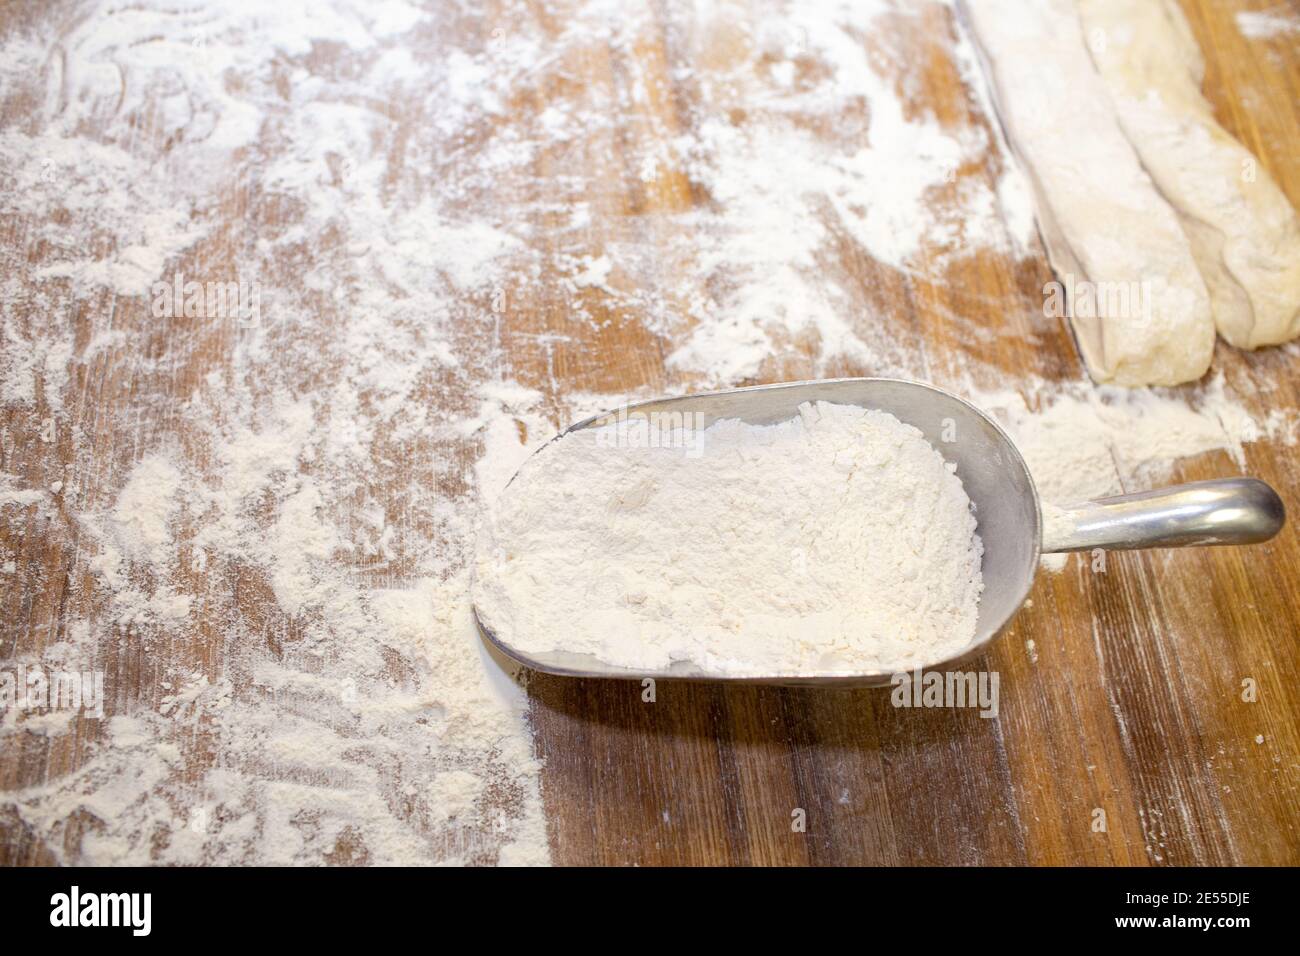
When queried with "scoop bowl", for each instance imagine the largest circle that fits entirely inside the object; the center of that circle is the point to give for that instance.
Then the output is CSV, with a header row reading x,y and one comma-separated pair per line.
x,y
996,479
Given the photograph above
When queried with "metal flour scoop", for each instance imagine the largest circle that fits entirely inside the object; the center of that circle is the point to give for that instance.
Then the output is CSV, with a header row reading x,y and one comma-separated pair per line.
x,y
1007,507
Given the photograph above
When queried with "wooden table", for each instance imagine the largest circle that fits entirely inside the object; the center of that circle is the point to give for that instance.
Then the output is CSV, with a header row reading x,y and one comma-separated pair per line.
x,y
1121,691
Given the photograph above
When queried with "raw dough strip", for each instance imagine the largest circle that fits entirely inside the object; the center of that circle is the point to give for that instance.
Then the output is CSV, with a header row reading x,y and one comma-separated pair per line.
x,y
1243,232
1102,219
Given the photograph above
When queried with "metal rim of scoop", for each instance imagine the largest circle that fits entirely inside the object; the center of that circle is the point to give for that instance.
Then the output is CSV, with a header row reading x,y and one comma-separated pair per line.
x,y
1227,511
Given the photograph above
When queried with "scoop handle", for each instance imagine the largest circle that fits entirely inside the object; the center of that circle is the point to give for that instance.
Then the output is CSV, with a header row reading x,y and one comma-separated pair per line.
x,y
1226,511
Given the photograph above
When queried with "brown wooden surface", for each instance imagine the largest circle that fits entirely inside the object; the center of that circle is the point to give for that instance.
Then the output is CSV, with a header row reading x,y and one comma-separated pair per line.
x,y
1129,702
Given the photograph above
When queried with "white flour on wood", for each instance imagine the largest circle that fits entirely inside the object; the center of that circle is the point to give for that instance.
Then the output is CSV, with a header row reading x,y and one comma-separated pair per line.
x,y
274,518
838,541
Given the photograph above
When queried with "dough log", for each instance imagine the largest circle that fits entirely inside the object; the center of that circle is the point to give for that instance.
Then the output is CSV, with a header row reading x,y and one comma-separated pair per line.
x,y
1243,232
1145,318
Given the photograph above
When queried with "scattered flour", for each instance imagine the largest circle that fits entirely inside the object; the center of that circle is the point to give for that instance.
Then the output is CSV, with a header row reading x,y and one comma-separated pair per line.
x,y
19,497
1266,24
1083,442
839,541
803,172
275,520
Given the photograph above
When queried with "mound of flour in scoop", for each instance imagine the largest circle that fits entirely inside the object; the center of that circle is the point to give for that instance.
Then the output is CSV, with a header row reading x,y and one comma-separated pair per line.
x,y
839,540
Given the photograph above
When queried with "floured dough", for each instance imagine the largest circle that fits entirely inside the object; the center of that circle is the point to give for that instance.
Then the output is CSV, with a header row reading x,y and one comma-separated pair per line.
x,y
1243,232
1102,219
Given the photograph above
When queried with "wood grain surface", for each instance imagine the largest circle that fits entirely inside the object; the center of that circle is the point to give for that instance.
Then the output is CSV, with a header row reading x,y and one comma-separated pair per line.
x,y
1119,691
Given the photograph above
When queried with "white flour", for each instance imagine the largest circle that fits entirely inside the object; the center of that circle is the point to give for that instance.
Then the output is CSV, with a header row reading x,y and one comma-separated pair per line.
x,y
287,482
1093,442
838,541
1083,442
1267,24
